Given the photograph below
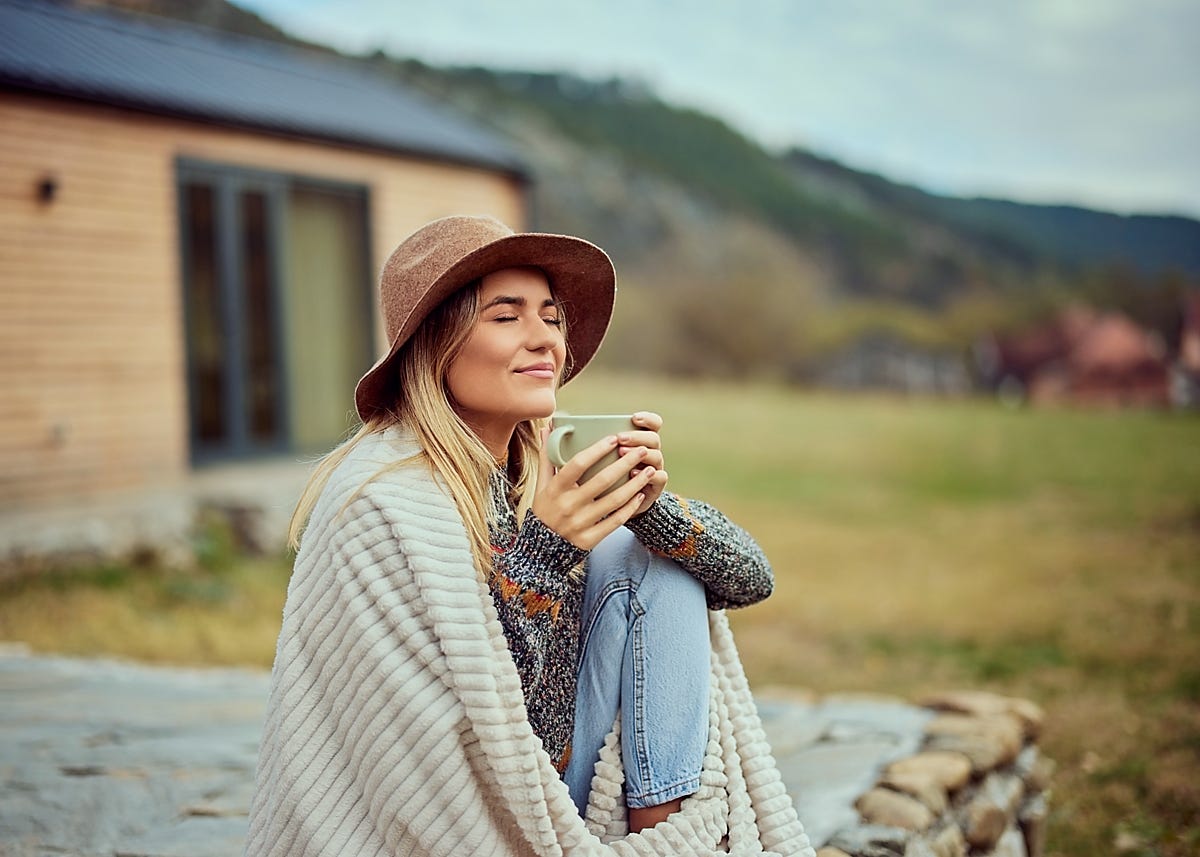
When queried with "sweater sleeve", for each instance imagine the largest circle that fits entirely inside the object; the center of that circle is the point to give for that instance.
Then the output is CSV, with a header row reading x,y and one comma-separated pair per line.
x,y
717,552
531,578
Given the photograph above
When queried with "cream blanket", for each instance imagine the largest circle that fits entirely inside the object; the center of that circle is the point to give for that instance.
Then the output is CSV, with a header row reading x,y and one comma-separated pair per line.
x,y
397,726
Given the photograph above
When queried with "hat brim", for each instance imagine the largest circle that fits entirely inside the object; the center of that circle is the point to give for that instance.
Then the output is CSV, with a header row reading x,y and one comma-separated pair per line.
x,y
580,274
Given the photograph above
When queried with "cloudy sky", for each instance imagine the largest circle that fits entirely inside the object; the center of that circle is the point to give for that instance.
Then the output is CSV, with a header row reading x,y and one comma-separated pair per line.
x,y
1093,102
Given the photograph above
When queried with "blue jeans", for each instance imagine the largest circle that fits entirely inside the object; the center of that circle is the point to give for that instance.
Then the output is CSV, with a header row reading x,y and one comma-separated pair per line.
x,y
644,652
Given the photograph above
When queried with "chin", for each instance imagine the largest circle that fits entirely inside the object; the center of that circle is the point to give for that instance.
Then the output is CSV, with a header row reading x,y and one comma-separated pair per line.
x,y
541,410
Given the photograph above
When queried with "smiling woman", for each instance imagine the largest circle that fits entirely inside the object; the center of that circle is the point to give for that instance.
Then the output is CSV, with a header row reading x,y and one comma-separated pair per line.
x,y
509,367
480,651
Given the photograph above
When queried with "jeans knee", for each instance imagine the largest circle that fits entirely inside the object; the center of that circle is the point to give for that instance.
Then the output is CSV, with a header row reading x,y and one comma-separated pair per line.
x,y
619,560
670,583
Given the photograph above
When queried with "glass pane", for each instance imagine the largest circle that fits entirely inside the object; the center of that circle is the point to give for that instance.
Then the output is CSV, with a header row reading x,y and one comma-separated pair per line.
x,y
262,369
329,324
206,339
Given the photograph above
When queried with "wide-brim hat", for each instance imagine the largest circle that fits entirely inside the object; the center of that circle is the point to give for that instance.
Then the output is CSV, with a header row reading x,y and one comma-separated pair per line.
x,y
445,255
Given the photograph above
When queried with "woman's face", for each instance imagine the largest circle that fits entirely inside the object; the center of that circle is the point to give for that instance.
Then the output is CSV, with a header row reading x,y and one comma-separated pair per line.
x,y
508,370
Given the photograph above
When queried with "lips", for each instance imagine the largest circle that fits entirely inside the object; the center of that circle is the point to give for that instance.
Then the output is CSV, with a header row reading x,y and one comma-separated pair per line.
x,y
537,370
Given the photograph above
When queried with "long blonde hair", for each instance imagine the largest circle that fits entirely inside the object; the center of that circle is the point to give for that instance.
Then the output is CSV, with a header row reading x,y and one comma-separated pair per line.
x,y
452,449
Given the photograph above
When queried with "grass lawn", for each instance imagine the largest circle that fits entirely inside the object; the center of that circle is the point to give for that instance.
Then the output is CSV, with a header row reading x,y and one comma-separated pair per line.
x,y
919,545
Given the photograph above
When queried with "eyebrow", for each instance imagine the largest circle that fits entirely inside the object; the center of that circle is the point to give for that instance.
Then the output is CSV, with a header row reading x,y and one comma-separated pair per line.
x,y
515,301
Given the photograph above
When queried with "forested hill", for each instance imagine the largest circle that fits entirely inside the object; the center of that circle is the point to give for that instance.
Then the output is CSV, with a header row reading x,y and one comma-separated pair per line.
x,y
866,226
708,228
824,199
1071,235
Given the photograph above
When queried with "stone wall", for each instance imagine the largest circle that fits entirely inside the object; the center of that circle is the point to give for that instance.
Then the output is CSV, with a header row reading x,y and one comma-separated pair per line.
x,y
253,501
977,785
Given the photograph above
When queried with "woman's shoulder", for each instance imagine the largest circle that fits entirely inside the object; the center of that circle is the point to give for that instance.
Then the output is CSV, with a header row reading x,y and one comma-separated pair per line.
x,y
389,459
383,448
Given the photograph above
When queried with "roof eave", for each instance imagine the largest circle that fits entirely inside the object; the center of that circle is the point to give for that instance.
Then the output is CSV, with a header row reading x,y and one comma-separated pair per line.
x,y
514,169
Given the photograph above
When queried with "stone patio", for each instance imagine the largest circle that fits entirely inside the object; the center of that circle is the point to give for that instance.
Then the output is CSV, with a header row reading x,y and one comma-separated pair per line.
x,y
100,757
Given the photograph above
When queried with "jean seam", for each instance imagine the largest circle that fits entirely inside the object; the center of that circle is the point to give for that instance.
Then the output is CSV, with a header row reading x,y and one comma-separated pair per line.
x,y
663,794
612,589
639,691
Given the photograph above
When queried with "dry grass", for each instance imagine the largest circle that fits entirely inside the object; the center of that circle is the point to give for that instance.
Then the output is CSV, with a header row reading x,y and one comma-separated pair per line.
x,y
918,546
228,617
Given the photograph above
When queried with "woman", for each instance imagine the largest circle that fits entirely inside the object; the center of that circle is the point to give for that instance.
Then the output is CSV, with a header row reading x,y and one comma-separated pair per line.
x,y
470,634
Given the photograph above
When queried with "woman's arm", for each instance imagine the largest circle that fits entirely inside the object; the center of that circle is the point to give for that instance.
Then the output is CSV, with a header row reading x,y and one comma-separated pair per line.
x,y
713,549
717,552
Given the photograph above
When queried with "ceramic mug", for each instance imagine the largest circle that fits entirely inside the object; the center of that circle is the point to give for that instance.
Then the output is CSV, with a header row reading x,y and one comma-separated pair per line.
x,y
573,433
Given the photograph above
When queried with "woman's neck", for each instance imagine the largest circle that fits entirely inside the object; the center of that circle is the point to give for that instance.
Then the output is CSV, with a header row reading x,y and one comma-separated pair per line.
x,y
497,439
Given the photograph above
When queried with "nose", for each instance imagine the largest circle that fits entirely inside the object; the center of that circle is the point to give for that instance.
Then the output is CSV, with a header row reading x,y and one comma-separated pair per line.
x,y
543,337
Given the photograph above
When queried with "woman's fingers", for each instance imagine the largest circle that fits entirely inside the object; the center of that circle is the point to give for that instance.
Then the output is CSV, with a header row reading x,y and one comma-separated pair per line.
x,y
619,496
615,473
585,458
645,435
648,420
618,507
650,439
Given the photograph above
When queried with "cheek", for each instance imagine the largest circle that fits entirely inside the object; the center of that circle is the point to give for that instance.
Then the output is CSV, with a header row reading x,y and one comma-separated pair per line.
x,y
461,374
475,369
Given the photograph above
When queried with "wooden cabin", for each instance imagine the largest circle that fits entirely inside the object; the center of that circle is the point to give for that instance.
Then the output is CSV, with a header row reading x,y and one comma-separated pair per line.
x,y
190,229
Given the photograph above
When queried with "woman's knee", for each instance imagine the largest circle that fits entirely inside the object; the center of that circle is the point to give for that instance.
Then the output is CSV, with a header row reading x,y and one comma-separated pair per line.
x,y
623,559
619,556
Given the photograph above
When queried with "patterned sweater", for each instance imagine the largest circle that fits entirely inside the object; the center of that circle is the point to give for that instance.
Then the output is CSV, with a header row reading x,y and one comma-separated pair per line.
x,y
539,599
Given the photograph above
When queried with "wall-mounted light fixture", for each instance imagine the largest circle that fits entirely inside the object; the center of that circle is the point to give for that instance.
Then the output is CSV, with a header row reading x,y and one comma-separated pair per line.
x,y
47,188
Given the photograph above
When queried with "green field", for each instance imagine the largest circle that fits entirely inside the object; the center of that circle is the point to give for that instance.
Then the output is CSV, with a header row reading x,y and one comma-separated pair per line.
x,y
919,545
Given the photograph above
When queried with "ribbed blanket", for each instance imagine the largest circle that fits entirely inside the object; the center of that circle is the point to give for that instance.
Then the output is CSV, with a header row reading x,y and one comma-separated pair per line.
x,y
396,723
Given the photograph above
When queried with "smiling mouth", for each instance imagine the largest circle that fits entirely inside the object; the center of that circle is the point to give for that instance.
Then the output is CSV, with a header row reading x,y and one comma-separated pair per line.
x,y
540,370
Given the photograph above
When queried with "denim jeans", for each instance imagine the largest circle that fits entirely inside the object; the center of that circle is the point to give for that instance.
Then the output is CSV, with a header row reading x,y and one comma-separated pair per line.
x,y
644,652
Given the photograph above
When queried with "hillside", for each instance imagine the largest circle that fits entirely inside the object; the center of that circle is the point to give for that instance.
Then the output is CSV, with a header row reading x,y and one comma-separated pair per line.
x,y
764,261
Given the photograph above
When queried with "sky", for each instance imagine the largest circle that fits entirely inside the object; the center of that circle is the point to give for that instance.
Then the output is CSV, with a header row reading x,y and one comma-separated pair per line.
x,y
1088,102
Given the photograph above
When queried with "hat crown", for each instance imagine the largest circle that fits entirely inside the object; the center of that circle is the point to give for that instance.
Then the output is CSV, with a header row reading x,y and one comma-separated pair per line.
x,y
424,257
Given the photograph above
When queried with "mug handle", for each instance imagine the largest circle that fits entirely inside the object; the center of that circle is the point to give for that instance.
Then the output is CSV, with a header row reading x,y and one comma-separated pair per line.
x,y
554,444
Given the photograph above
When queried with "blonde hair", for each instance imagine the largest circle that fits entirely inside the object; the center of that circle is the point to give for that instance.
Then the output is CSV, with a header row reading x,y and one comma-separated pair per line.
x,y
454,452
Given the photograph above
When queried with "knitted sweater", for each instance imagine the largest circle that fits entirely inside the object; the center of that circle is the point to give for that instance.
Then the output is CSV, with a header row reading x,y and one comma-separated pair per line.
x,y
538,599
396,723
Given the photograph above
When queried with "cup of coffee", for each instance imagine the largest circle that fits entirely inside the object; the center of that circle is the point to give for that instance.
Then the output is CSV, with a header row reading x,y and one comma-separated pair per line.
x,y
575,432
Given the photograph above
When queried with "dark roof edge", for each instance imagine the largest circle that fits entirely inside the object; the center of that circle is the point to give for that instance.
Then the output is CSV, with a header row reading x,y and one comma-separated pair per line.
x,y
515,170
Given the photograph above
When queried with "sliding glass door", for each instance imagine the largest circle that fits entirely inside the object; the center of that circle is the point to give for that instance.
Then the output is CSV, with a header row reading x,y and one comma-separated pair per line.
x,y
276,309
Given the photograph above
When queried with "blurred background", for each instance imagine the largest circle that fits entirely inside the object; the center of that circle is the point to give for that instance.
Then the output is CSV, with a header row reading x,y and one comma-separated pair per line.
x,y
916,289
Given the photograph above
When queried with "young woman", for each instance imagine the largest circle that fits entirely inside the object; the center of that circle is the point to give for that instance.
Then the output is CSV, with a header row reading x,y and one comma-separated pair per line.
x,y
479,651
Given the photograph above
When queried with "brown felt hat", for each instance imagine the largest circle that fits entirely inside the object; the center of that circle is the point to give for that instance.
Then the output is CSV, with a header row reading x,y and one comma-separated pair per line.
x,y
443,256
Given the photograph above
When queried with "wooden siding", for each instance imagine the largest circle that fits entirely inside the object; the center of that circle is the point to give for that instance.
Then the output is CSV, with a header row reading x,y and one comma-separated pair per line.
x,y
93,398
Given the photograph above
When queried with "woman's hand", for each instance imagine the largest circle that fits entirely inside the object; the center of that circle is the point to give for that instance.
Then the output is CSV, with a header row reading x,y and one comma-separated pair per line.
x,y
646,438
584,514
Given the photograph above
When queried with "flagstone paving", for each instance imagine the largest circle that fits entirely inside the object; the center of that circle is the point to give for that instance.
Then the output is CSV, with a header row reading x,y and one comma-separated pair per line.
x,y
101,757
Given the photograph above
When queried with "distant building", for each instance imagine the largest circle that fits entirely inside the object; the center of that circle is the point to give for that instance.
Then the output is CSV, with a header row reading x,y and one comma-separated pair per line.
x,y
192,223
1185,374
1081,357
